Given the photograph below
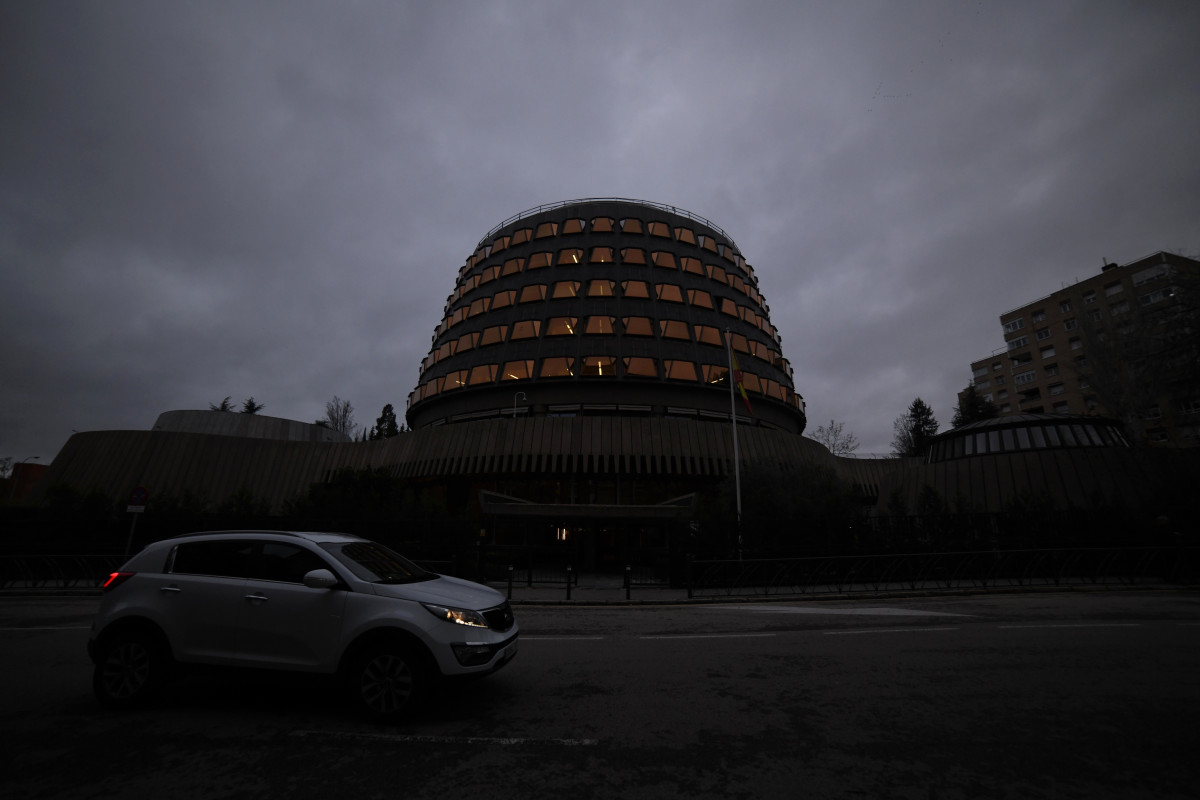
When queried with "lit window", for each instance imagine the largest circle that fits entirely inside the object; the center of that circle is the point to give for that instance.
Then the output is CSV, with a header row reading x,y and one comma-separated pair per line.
x,y
501,243
633,255
517,370
432,388
479,306
635,289
737,283
600,288
484,373
739,343
631,225
539,260
728,253
466,342
685,235
445,351
546,230
668,292
602,225
599,366
513,266
637,326
707,334
601,255
599,325
660,229
565,289
708,243
561,326
717,274
525,329
533,293
751,382
664,259
489,274
693,266
504,299
641,367
573,226
674,329
454,380
493,335
679,370
729,307
521,236
699,298
572,255
558,367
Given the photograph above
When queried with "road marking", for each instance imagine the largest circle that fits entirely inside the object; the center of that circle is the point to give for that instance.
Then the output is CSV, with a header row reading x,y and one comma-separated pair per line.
x,y
887,630
711,636
58,628
525,638
410,738
1075,625
870,611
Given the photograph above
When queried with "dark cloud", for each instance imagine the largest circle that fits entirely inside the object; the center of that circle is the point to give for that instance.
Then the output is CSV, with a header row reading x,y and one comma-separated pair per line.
x,y
272,199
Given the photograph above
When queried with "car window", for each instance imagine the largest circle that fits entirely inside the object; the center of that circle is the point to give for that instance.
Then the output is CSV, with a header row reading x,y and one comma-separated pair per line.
x,y
226,558
278,561
373,562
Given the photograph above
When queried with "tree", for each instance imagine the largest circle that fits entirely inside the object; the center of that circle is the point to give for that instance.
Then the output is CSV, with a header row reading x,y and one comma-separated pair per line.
x,y
339,415
972,407
385,426
837,442
225,406
251,407
914,429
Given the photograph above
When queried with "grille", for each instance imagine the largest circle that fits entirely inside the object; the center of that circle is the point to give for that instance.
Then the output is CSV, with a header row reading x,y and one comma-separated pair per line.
x,y
499,618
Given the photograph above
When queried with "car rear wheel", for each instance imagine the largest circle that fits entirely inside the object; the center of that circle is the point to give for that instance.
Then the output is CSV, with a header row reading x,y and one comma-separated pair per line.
x,y
131,670
388,681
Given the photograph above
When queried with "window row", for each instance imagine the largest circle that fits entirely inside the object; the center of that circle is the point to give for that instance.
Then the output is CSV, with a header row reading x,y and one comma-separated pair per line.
x,y
598,367
1026,438
603,255
602,288
628,225
601,325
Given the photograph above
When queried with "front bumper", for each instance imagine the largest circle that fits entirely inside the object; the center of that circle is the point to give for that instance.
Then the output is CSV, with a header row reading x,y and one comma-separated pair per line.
x,y
479,654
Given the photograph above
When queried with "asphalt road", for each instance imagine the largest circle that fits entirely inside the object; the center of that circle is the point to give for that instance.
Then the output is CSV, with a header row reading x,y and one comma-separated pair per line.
x,y
1089,695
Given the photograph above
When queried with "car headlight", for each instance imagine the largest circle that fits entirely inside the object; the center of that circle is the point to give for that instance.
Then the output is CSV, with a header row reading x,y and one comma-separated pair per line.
x,y
458,616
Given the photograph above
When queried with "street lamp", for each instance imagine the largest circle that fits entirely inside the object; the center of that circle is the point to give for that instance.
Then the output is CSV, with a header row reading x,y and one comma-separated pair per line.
x,y
520,395
13,477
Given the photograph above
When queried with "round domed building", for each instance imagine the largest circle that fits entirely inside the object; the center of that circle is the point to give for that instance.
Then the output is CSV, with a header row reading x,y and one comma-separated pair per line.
x,y
605,307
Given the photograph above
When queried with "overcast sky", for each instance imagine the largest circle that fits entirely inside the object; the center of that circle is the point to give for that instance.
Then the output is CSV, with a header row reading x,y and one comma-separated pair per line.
x,y
272,199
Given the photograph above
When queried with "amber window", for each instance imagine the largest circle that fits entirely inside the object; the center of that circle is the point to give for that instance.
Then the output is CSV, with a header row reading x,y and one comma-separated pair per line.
x,y
715,373
504,299
565,289
572,226
484,373
641,367
561,326
493,335
489,274
546,230
458,316
739,343
466,342
631,225
602,225
717,274
599,325
455,380
429,361
659,229
668,292
729,307
469,283
673,329
477,256
558,367
521,236
601,288
751,382
708,243
445,351
601,255
637,326
707,334
664,259
517,370
431,388
700,298
501,243
685,235
635,289
569,256
525,329
633,255
773,389
479,306
599,366
513,266
737,283
539,260
533,292
679,370
693,266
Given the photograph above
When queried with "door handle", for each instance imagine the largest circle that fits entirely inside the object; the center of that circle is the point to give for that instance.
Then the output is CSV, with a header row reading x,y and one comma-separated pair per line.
x,y
165,589
257,598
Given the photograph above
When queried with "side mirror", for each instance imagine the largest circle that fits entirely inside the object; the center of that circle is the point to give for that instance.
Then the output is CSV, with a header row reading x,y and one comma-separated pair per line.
x,y
320,579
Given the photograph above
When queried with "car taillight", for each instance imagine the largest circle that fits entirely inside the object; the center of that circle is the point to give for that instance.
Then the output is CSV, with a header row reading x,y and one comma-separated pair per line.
x,y
115,579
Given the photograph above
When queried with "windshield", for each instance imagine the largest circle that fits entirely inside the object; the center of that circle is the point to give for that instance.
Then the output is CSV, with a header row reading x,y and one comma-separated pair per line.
x,y
377,564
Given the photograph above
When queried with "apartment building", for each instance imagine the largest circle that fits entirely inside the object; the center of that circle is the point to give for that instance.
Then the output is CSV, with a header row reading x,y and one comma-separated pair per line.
x,y
1122,344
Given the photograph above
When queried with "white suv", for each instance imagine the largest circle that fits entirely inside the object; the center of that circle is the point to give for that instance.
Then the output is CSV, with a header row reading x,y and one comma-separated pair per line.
x,y
323,603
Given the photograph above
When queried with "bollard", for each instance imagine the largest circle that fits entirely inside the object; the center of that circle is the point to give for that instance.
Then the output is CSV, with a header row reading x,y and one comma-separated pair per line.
x,y
510,580
568,581
628,580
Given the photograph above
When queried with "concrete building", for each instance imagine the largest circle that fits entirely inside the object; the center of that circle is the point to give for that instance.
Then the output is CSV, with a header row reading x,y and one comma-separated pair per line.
x,y
1063,353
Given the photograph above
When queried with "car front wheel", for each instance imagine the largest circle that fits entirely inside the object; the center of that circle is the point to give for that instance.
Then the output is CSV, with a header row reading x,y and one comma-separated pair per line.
x,y
131,670
388,681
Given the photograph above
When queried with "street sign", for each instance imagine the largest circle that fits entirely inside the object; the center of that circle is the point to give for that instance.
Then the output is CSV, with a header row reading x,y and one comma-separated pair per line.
x,y
137,500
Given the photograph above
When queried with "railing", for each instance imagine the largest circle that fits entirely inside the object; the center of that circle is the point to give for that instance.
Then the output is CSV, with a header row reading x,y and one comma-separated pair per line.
x,y
57,571
985,570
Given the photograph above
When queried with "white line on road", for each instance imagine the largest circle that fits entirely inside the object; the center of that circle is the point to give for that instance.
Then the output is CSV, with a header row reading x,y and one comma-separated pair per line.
x,y
887,630
408,738
1075,625
711,636
525,638
49,628
866,611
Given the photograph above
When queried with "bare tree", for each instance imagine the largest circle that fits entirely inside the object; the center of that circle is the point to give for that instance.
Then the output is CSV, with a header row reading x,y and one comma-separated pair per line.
x,y
339,415
835,439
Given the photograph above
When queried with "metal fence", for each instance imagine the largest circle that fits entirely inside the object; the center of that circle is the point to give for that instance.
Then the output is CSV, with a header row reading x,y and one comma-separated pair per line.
x,y
57,571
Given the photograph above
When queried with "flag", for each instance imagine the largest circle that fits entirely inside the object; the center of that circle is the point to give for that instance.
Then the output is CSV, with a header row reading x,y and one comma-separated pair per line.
x,y
737,377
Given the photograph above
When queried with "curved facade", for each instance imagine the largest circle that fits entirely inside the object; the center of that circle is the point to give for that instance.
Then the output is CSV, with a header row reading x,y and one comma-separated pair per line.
x,y
605,307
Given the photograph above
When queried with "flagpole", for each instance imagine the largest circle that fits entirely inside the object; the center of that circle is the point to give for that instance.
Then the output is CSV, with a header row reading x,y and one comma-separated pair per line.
x,y
737,474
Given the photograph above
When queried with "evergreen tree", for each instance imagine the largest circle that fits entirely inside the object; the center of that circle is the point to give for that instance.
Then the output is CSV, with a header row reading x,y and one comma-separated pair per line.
x,y
914,429
251,407
972,407
385,426
225,406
